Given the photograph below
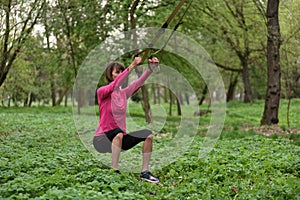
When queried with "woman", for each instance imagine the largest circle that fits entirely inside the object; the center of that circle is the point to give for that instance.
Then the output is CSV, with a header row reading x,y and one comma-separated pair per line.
x,y
111,135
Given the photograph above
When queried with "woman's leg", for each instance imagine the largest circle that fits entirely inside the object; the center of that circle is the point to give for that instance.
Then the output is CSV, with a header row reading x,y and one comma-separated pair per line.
x,y
133,138
147,150
116,150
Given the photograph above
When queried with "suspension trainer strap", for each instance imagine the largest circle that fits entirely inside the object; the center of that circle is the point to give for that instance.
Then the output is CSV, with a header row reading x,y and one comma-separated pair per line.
x,y
174,29
166,24
161,30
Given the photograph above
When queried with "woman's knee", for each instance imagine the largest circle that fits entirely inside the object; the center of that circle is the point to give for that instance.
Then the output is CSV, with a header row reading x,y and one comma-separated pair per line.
x,y
149,137
118,137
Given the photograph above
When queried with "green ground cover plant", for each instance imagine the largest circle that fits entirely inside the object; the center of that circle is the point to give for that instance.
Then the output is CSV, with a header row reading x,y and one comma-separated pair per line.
x,y
42,157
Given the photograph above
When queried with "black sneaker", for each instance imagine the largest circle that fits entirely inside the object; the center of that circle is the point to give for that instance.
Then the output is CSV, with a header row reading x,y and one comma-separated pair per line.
x,y
147,176
117,171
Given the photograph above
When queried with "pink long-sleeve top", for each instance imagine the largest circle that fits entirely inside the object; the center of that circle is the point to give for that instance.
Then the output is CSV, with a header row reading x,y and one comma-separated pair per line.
x,y
112,101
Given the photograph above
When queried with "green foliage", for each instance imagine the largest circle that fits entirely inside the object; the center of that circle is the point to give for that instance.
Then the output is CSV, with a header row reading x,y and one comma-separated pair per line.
x,y
290,49
75,27
43,158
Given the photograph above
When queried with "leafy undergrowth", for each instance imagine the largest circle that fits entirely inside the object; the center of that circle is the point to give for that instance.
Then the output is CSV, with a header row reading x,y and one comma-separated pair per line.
x,y
43,158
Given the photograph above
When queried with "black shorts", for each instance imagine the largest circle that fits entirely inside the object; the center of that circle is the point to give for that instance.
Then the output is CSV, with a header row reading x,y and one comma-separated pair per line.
x,y
103,143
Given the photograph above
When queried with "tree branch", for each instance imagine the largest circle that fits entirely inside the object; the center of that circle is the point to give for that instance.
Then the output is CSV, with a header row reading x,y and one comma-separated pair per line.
x,y
292,35
227,68
8,58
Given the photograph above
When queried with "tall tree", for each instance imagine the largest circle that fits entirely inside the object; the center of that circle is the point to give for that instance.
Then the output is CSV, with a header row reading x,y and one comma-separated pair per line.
x,y
290,48
84,25
145,95
228,29
270,115
20,19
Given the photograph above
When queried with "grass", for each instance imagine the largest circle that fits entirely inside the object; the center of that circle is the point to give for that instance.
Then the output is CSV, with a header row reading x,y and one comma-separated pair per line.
x,y
42,157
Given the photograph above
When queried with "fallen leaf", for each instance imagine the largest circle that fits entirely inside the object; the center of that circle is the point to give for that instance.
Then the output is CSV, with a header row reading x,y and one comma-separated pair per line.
x,y
234,189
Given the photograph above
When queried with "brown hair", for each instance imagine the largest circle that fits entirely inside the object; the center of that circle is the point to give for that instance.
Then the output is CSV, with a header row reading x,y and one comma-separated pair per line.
x,y
109,69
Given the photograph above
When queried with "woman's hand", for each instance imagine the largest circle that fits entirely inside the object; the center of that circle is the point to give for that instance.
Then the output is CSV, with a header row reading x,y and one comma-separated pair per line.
x,y
153,63
135,62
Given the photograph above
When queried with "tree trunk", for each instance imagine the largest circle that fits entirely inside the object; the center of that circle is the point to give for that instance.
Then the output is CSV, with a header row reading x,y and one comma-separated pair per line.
x,y
154,93
187,98
52,82
246,81
79,95
272,99
178,106
61,96
66,99
25,103
146,104
231,88
11,49
8,104
180,98
53,94
204,92
4,68
31,98
171,102
165,94
158,92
